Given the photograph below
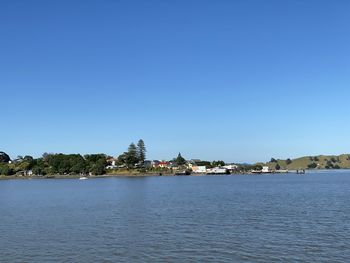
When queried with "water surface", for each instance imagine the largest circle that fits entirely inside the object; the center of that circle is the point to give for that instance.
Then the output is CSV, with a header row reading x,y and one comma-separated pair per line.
x,y
270,218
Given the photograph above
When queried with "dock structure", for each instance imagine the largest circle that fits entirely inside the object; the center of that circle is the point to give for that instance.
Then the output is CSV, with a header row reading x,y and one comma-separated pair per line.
x,y
218,171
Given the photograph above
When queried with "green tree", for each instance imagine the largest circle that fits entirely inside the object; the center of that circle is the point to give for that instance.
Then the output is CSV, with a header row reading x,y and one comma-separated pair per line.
x,y
38,170
78,168
180,160
273,160
28,158
98,168
277,167
77,164
131,156
141,151
46,156
257,167
96,163
6,170
23,166
288,161
312,165
204,163
218,163
39,166
4,158
329,165
121,160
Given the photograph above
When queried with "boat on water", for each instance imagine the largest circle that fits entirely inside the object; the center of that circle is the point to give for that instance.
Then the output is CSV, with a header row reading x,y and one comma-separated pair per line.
x,y
83,178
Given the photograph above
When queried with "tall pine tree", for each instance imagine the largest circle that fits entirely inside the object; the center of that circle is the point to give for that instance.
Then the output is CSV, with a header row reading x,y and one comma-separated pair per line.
x,y
131,156
141,151
180,160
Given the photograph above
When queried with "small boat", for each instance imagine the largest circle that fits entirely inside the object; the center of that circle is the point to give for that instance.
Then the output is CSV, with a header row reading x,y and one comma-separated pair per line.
x,y
83,178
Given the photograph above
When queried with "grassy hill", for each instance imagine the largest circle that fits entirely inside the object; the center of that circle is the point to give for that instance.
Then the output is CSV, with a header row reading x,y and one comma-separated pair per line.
x,y
312,162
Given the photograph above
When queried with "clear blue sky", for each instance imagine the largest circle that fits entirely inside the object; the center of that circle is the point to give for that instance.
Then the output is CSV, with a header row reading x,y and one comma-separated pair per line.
x,y
241,81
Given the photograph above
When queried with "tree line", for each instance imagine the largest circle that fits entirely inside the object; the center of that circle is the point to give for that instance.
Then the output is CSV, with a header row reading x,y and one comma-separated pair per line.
x,y
66,164
76,164
50,164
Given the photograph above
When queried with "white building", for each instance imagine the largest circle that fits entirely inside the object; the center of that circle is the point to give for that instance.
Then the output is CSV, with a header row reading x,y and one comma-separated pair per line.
x,y
217,170
265,169
231,167
199,169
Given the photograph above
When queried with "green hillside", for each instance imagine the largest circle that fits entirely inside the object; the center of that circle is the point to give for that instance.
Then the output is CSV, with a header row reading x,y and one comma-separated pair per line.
x,y
312,162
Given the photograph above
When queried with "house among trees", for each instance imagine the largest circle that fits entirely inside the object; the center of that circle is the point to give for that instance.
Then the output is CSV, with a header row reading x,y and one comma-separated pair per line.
x,y
155,163
164,164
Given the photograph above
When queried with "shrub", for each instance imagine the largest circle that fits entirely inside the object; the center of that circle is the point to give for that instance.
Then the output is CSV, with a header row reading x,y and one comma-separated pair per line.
x,y
6,170
312,165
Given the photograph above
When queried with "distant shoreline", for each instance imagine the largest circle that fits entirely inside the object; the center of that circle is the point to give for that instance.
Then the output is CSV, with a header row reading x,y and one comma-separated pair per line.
x,y
10,177
13,177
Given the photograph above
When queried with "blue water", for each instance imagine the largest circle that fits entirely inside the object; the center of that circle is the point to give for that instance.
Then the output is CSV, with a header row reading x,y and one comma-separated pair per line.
x,y
269,218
